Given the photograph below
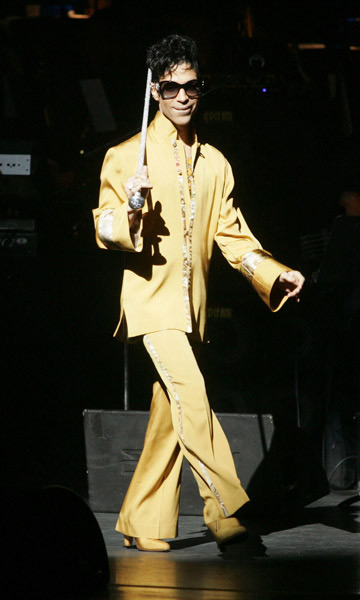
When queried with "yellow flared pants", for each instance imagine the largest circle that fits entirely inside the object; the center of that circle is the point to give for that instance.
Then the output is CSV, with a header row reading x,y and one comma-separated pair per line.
x,y
181,424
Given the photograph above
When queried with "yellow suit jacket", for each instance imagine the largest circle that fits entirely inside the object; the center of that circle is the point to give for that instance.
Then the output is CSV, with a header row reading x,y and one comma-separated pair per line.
x,y
166,270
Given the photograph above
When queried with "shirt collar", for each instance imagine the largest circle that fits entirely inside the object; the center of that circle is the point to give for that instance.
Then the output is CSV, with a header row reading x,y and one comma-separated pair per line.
x,y
162,127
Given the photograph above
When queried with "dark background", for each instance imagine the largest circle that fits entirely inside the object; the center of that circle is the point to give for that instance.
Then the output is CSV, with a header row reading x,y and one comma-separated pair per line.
x,y
287,118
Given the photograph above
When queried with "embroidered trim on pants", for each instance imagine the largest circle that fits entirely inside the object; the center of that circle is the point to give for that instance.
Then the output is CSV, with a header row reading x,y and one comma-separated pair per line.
x,y
181,432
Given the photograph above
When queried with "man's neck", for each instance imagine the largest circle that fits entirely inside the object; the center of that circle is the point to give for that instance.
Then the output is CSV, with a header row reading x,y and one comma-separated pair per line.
x,y
187,136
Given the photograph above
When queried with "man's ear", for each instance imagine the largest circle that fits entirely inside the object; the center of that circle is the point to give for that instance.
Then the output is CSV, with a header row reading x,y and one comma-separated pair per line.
x,y
155,94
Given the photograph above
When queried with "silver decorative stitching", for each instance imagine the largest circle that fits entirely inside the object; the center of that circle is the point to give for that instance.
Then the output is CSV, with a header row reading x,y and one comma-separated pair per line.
x,y
251,261
175,394
181,432
105,229
213,488
187,243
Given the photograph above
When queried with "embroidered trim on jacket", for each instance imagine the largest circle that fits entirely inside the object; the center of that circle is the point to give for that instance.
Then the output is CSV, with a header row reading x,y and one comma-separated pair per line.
x,y
251,261
105,228
188,230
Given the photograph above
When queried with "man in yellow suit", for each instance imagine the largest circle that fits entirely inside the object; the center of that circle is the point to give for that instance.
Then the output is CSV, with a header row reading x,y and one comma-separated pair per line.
x,y
168,244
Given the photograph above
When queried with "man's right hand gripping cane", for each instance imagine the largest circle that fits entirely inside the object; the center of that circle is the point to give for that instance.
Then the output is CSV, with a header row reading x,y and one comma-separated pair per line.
x,y
137,183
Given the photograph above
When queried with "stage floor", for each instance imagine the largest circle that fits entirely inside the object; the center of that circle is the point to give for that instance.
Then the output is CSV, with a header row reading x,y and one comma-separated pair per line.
x,y
311,553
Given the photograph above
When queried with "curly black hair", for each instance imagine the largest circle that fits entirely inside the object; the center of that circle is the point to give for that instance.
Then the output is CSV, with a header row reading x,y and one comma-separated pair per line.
x,y
169,52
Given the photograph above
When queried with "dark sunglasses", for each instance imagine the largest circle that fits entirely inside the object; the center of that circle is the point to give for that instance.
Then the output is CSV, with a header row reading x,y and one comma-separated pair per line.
x,y
170,89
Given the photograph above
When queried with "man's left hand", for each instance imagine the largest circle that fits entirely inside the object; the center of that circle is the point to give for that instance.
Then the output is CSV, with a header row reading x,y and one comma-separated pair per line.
x,y
291,282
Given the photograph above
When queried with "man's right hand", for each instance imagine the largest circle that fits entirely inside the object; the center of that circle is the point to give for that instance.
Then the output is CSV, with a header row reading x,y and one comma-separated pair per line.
x,y
138,183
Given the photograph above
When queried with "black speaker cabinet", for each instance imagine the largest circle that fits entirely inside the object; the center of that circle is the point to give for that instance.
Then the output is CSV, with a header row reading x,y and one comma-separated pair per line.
x,y
274,468
114,440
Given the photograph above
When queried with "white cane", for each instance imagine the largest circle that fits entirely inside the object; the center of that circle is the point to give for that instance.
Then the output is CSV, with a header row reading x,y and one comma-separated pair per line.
x,y
137,201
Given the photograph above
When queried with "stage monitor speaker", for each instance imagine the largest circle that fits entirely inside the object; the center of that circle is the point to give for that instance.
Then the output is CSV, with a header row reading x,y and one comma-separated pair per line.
x,y
114,440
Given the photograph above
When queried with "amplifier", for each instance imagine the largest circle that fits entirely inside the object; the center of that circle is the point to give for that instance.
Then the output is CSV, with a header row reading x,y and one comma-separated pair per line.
x,y
15,164
276,468
114,440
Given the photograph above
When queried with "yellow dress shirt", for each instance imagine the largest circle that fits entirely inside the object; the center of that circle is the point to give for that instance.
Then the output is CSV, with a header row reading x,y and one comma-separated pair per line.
x,y
167,263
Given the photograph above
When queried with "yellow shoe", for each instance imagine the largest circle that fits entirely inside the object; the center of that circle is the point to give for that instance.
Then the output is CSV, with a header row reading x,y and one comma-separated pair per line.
x,y
147,544
128,541
227,531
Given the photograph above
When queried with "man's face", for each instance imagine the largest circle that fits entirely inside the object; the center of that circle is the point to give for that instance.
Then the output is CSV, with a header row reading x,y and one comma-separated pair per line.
x,y
178,110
